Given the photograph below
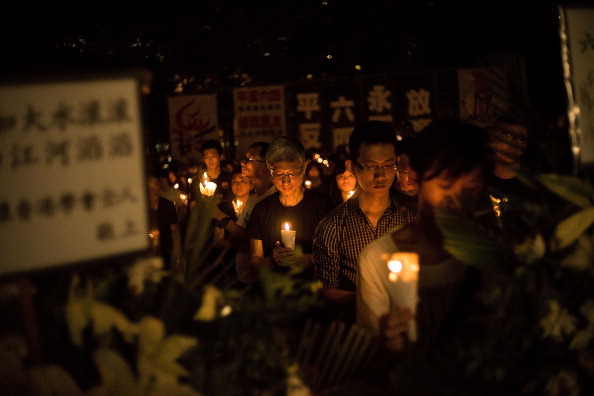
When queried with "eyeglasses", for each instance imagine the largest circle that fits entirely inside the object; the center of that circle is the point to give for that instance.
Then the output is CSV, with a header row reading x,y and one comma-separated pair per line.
x,y
247,159
282,176
374,169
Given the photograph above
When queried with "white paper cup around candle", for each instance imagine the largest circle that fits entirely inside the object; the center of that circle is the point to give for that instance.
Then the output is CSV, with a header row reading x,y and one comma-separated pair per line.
x,y
403,273
288,236
207,187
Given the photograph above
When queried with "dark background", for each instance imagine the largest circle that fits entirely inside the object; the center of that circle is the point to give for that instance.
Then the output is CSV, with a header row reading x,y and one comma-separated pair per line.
x,y
210,45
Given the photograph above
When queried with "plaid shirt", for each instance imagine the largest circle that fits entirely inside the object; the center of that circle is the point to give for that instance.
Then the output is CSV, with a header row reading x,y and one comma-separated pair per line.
x,y
343,233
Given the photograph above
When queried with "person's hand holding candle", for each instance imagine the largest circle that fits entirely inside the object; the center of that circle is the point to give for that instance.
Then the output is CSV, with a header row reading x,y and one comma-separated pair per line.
x,y
288,235
284,254
399,325
207,187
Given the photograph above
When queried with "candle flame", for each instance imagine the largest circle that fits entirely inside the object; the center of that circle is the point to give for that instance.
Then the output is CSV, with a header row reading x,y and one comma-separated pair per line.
x,y
351,193
239,203
395,266
308,184
287,226
403,266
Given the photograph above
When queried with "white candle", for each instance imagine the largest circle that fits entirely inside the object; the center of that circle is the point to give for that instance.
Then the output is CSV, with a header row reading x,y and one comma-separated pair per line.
x,y
307,184
207,188
403,274
288,236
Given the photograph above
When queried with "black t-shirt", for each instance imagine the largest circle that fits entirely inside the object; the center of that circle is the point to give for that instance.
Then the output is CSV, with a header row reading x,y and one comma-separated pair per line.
x,y
269,215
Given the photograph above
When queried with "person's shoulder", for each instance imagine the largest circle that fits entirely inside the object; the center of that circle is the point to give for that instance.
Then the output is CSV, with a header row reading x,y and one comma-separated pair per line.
x,y
166,204
267,201
382,244
318,196
337,214
402,203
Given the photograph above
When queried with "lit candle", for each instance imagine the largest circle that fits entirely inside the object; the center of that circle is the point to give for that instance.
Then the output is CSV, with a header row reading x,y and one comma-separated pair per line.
x,y
207,188
307,184
288,236
403,274
155,243
237,206
351,193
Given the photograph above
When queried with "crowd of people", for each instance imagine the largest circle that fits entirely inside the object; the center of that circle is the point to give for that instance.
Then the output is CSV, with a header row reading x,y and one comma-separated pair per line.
x,y
279,209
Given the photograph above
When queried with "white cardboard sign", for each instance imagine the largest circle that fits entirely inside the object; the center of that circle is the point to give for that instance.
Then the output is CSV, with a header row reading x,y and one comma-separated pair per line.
x,y
72,172
577,50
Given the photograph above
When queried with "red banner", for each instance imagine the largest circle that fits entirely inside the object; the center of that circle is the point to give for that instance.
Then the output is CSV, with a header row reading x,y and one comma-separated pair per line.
x,y
192,120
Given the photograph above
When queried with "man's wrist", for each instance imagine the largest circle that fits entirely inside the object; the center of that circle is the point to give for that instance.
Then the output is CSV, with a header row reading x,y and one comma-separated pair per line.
x,y
222,223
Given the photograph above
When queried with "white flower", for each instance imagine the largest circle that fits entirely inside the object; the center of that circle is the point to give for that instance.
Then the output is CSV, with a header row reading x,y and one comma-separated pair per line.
x,y
105,317
78,311
210,302
558,323
143,269
533,248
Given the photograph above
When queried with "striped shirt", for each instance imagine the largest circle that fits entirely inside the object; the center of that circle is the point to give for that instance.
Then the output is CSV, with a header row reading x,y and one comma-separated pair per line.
x,y
343,233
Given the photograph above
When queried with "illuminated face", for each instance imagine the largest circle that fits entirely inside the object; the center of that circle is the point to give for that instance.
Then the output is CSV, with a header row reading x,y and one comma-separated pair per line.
x,y
346,181
240,186
374,168
211,158
253,165
287,177
447,192
509,142
406,178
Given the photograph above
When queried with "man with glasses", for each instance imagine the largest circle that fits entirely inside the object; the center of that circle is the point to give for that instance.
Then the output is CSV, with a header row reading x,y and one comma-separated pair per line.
x,y
508,140
299,208
371,213
406,185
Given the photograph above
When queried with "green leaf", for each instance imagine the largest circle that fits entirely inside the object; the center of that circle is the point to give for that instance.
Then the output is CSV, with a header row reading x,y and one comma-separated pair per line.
x,y
569,230
470,245
571,188
166,355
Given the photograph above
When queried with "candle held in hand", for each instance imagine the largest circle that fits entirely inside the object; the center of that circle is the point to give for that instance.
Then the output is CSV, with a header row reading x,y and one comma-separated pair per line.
x,y
288,236
403,274
207,188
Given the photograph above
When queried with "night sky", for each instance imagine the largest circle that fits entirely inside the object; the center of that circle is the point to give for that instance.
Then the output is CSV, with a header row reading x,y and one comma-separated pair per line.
x,y
220,44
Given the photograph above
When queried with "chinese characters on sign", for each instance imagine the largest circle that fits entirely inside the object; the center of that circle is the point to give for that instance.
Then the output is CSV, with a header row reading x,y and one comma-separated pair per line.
x,y
308,105
72,185
259,115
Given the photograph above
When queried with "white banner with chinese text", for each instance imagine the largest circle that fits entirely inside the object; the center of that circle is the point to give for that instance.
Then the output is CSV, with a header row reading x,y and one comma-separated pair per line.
x,y
259,115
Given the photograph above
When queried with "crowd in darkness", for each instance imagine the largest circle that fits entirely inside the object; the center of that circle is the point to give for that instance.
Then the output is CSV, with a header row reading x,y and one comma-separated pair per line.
x,y
377,196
